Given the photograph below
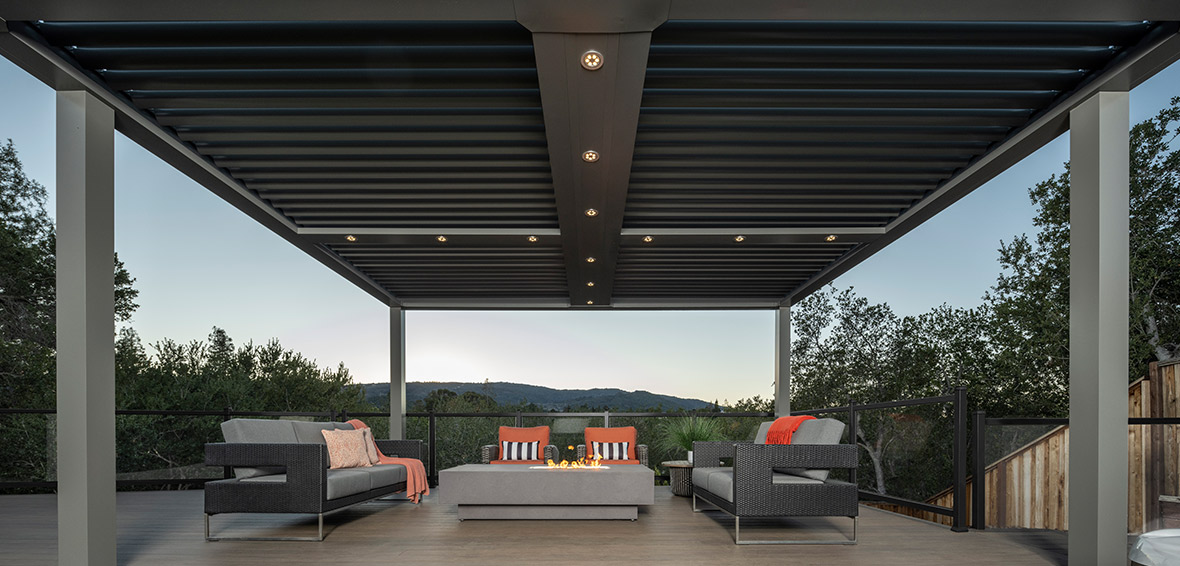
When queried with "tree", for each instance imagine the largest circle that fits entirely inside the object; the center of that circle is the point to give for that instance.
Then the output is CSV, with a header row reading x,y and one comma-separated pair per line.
x,y
27,288
1031,295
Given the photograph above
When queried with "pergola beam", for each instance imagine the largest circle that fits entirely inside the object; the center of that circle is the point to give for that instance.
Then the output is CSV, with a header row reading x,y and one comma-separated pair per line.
x,y
591,110
501,10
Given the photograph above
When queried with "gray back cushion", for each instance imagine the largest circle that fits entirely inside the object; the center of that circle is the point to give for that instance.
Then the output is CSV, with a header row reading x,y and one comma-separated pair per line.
x,y
310,433
760,436
258,431
818,431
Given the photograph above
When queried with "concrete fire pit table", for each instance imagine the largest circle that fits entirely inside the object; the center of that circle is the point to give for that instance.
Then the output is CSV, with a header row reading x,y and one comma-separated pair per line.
x,y
490,491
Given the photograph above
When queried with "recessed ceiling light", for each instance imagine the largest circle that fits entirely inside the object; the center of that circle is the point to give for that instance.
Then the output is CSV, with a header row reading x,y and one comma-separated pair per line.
x,y
739,238
589,302
441,238
592,60
590,156
532,238
350,238
590,259
831,238
591,212
648,238
589,283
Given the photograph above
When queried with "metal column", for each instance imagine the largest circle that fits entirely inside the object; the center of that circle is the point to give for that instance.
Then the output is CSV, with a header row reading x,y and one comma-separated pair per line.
x,y
397,373
1098,336
782,361
85,330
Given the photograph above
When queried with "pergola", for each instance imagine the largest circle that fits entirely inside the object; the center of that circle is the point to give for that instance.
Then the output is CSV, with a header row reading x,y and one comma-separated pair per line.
x,y
551,154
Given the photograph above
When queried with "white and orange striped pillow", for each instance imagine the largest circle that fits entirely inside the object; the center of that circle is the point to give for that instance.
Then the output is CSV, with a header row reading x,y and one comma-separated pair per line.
x,y
520,450
609,450
346,449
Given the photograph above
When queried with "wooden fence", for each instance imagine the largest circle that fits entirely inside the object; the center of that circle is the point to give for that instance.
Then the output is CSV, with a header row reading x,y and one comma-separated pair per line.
x,y
1029,487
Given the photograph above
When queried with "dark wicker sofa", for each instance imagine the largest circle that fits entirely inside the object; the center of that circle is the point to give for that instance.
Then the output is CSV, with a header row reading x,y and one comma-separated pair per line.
x,y
282,467
768,480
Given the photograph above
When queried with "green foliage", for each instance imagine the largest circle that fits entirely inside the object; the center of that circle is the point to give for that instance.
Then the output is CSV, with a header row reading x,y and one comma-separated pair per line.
x,y
1031,296
28,286
212,375
678,433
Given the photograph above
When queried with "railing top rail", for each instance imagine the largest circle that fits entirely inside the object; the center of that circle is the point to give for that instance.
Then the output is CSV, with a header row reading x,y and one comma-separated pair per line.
x,y
1029,421
881,405
613,414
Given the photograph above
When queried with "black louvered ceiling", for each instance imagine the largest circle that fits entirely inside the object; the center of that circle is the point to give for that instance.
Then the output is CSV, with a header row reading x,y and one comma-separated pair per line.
x,y
780,132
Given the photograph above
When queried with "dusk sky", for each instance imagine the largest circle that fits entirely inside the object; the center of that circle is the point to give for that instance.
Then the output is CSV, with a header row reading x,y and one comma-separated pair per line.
x,y
199,263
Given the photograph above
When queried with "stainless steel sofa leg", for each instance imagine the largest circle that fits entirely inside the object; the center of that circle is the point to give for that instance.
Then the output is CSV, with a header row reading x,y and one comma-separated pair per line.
x,y
737,536
318,538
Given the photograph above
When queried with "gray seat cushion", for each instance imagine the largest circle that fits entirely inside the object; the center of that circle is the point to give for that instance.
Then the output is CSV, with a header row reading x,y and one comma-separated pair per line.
x,y
342,483
258,431
779,478
384,474
700,476
273,478
720,483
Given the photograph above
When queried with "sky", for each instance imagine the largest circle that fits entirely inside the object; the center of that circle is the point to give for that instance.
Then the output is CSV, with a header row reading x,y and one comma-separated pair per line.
x,y
200,263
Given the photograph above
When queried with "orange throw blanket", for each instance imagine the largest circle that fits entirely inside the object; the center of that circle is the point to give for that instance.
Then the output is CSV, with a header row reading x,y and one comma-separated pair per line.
x,y
780,432
416,485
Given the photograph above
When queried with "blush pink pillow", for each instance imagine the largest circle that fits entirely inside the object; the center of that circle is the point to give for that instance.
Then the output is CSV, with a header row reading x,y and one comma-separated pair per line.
x,y
346,449
371,447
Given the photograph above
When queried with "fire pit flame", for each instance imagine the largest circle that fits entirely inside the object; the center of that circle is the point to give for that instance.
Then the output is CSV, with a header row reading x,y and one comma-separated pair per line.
x,y
580,463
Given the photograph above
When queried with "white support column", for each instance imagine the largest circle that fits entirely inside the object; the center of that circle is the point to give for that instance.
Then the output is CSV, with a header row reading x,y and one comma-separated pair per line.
x,y
85,331
397,373
782,361
1098,336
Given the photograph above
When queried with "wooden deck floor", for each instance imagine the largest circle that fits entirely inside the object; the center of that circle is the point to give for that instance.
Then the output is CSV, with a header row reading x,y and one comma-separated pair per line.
x,y
165,528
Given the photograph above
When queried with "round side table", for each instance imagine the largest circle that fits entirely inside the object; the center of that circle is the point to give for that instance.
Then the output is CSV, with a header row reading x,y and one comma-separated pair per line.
x,y
679,476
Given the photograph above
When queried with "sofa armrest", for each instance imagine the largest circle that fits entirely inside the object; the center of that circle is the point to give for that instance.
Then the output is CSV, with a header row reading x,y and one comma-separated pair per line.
x,y
303,491
249,454
401,448
487,453
709,454
794,456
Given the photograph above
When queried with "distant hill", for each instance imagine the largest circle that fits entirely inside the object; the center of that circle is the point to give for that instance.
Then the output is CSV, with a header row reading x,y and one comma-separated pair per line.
x,y
546,397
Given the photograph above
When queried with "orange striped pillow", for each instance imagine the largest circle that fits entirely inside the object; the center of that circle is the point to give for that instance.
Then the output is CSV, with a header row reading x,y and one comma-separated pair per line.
x,y
346,449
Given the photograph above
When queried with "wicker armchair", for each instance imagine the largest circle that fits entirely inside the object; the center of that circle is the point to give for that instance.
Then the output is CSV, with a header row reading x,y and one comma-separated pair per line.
x,y
772,480
490,452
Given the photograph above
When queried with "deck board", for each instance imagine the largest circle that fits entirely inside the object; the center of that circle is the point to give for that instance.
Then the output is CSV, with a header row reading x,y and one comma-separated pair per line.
x,y
166,528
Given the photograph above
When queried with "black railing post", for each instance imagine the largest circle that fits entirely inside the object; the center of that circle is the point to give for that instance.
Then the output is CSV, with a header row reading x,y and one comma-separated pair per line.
x,y
227,472
606,419
852,424
431,437
979,473
519,419
343,415
959,518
